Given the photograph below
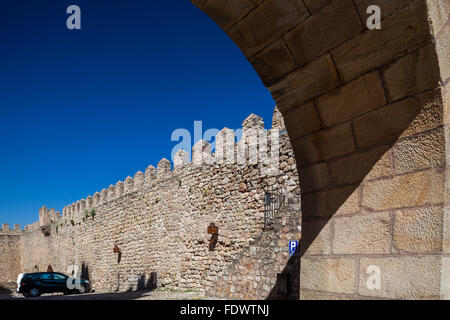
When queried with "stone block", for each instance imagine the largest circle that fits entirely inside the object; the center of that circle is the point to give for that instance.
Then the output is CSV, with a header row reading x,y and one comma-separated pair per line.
x,y
430,115
253,32
225,13
358,97
408,190
321,232
406,117
314,177
273,62
382,168
405,30
323,31
308,82
414,73
356,167
419,229
325,144
329,275
403,277
302,120
419,152
337,201
368,233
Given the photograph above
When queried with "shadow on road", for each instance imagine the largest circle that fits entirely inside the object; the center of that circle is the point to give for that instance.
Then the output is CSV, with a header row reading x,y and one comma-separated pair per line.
x,y
129,295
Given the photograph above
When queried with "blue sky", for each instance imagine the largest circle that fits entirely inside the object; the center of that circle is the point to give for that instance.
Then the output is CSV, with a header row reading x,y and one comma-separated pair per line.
x,y
82,109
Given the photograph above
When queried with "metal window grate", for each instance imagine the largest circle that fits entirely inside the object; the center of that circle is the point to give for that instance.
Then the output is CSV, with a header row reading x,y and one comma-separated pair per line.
x,y
273,202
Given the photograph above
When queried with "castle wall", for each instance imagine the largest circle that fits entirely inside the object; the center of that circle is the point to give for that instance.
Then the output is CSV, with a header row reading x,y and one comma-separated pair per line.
x,y
159,222
9,256
36,251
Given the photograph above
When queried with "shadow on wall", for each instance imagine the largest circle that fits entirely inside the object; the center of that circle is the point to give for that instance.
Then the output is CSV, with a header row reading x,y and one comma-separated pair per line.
x,y
345,98
287,286
85,272
143,284
320,203
4,289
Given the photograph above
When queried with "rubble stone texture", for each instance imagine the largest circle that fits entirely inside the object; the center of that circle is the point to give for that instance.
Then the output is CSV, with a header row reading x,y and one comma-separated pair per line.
x,y
366,111
367,114
158,221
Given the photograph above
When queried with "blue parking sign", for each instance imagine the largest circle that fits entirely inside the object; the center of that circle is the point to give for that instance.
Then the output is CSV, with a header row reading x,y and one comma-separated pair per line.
x,y
292,247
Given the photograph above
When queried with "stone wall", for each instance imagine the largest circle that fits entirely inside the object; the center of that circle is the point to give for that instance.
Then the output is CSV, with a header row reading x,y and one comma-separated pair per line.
x,y
367,114
266,270
37,250
159,220
9,254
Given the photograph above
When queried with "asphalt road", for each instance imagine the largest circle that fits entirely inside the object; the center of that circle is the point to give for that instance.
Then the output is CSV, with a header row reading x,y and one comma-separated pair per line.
x,y
134,295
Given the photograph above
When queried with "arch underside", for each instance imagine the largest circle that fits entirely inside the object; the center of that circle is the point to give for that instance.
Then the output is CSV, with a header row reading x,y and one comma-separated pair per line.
x,y
366,113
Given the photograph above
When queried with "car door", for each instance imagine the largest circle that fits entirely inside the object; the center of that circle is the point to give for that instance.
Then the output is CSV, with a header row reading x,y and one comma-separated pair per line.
x,y
60,282
46,282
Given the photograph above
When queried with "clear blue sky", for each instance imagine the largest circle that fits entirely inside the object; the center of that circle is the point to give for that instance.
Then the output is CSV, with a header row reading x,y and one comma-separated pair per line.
x,y
80,110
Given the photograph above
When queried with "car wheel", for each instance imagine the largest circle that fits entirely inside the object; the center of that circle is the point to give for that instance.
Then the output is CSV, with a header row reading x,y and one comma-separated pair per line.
x,y
82,289
34,292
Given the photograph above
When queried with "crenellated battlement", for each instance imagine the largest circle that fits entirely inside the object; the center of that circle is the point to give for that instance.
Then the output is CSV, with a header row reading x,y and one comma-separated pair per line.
x,y
172,202
252,146
16,230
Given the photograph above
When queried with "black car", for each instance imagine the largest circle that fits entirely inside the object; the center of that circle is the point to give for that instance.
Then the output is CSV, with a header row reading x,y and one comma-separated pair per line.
x,y
34,284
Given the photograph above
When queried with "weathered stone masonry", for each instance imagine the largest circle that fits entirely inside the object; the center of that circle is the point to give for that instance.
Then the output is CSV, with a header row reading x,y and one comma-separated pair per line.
x,y
9,254
367,114
158,220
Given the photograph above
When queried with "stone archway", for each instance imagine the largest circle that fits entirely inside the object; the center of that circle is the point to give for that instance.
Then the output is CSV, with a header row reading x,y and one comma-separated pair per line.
x,y
366,114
